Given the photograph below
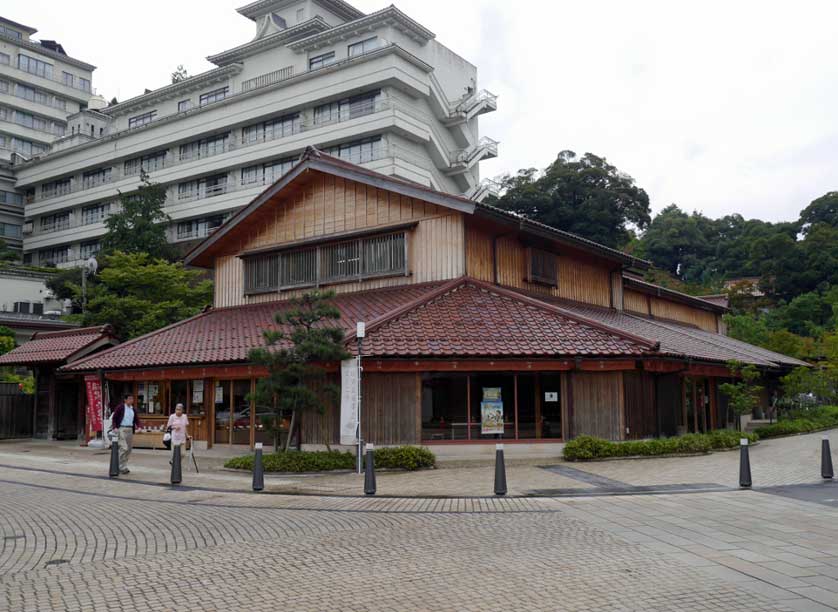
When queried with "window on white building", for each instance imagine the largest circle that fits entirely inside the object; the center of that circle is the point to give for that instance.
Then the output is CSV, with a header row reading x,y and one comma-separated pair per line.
x,y
213,96
89,249
149,163
319,61
140,120
54,256
34,66
96,177
95,214
273,171
348,108
358,151
5,58
301,15
69,79
84,84
184,105
205,147
364,46
56,188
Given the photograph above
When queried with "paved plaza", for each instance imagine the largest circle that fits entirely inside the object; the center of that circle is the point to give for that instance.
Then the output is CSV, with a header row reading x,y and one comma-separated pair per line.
x,y
662,534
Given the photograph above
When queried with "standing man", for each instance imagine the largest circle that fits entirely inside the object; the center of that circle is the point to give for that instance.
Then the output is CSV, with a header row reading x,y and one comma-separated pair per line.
x,y
125,421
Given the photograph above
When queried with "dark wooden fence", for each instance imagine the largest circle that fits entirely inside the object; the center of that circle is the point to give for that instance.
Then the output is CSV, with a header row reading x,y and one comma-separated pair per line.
x,y
16,415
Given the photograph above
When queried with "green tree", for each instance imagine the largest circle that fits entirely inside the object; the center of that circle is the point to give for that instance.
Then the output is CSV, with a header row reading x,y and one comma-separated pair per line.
x,y
7,339
137,293
743,395
140,227
179,74
308,338
7,254
583,195
822,210
678,243
822,382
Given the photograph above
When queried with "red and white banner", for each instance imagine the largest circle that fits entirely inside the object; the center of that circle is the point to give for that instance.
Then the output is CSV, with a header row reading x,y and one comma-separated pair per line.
x,y
94,402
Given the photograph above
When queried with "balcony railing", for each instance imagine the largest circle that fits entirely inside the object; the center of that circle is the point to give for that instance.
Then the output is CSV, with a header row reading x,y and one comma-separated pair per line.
x,y
270,78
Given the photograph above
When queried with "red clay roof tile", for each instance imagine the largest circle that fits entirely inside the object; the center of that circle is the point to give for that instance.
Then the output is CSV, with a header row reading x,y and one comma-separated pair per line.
x,y
55,347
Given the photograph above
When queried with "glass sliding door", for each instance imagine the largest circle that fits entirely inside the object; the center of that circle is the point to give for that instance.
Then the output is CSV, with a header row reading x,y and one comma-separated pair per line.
x,y
241,411
222,411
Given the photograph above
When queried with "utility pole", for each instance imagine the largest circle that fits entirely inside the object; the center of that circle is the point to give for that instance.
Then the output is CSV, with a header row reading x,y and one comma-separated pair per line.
x,y
360,332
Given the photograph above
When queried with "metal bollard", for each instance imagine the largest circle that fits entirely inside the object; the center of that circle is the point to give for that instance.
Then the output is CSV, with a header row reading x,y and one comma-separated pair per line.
x,y
177,472
744,464
114,471
369,472
500,471
258,469
826,459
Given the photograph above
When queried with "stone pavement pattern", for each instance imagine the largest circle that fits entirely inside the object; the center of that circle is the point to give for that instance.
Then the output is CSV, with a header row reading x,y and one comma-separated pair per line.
x,y
82,543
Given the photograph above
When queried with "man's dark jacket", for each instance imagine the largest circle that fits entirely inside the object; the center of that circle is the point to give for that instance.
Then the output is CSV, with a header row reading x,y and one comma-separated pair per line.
x,y
119,412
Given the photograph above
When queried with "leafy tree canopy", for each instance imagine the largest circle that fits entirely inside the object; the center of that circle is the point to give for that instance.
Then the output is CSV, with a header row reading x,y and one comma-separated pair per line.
x,y
140,225
137,293
583,195
822,210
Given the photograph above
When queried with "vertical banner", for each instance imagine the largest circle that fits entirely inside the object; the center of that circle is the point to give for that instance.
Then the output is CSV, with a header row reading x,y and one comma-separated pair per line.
x,y
94,402
349,401
491,411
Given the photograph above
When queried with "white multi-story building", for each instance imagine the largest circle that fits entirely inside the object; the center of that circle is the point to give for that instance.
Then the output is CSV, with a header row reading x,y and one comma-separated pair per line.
x,y
40,86
375,89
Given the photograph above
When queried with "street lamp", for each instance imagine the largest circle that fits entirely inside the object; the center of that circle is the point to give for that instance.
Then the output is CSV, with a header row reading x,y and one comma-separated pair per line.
x,y
89,267
360,332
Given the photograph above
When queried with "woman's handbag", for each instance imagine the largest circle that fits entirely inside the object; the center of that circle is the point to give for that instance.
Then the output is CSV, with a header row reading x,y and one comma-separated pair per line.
x,y
167,438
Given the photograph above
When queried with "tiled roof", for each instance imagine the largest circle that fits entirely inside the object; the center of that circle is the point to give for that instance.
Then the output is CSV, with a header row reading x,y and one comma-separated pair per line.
x,y
684,341
473,319
460,318
226,335
55,347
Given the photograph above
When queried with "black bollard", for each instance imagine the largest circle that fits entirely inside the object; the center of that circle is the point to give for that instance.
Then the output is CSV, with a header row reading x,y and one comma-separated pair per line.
x,y
177,473
258,469
114,471
500,471
369,472
744,464
826,459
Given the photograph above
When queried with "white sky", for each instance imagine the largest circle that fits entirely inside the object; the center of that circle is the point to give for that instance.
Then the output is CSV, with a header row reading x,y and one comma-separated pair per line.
x,y
717,106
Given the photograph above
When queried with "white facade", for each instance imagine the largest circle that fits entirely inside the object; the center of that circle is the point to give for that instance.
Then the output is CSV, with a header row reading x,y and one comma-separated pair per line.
x,y
40,86
375,89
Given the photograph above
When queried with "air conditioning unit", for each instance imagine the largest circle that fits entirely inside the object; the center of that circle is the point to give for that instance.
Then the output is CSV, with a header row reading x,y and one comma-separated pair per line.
x,y
27,228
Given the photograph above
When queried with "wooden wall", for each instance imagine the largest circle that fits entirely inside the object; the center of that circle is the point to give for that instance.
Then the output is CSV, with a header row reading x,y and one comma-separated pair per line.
x,y
641,411
660,307
331,205
391,408
598,401
579,279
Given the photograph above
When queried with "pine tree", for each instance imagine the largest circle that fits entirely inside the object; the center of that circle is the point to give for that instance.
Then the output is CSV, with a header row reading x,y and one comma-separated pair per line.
x,y
140,227
296,356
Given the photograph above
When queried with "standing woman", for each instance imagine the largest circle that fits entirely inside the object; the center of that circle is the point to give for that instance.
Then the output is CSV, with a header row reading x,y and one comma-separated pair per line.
x,y
178,422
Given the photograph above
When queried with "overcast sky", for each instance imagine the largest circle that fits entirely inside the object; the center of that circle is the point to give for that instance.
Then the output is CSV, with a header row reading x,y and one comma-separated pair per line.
x,y
717,106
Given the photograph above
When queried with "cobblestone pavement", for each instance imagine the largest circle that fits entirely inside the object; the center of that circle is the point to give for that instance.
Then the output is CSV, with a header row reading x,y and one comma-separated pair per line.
x,y
81,542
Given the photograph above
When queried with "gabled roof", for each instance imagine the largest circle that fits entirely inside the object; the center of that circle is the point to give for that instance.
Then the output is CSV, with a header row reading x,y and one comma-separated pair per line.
x,y
60,346
650,288
236,54
470,318
342,9
315,160
226,335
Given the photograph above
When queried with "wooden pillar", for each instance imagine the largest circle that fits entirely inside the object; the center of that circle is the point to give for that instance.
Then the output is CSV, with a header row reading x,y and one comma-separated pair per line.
x,y
253,413
515,386
569,428
418,407
694,386
711,384
209,398
52,416
537,406
684,403
468,406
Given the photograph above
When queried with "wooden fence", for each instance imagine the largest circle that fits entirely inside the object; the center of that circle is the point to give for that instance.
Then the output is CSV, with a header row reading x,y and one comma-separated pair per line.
x,y
16,415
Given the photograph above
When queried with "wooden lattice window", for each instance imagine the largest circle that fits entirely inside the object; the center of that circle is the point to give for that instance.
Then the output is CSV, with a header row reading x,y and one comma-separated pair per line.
x,y
543,267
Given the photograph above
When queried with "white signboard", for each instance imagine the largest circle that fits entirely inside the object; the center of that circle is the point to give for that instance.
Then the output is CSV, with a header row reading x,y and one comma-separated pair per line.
x,y
348,401
551,396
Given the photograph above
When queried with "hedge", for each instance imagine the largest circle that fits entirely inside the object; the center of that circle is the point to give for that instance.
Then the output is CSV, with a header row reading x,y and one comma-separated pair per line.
x,y
399,457
801,421
586,448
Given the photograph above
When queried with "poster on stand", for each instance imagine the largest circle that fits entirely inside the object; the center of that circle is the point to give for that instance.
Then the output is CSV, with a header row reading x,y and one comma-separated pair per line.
x,y
349,377
94,402
491,411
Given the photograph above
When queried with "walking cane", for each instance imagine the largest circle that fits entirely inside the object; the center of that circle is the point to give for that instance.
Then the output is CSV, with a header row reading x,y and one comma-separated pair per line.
x,y
192,454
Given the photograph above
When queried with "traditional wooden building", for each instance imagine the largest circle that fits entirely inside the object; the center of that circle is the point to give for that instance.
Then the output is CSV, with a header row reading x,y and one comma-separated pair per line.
x,y
59,407
463,303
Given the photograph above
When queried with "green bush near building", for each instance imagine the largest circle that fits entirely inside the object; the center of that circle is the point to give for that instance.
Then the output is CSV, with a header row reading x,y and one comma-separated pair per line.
x,y
801,421
398,457
587,448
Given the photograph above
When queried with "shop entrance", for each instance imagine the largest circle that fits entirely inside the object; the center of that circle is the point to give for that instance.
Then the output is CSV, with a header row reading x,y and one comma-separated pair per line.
x,y
478,406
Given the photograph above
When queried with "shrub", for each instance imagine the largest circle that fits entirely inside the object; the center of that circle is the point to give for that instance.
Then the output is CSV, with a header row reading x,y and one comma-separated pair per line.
x,y
801,421
585,448
404,458
399,457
